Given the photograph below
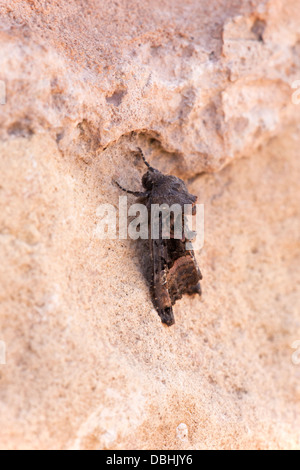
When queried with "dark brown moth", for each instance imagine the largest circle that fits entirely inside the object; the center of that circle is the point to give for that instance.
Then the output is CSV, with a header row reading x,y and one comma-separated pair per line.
x,y
174,269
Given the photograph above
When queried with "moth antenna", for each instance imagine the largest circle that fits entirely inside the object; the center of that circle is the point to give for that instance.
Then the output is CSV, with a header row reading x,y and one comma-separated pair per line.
x,y
145,161
135,193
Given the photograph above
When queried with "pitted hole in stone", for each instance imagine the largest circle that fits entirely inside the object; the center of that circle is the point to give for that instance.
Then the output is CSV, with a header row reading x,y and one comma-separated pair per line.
x,y
117,97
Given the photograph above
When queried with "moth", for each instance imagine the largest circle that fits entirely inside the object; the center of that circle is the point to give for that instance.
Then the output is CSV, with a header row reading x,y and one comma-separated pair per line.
x,y
174,269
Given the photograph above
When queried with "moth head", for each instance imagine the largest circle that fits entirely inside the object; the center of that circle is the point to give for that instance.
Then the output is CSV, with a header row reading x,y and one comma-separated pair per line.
x,y
150,178
167,188
155,179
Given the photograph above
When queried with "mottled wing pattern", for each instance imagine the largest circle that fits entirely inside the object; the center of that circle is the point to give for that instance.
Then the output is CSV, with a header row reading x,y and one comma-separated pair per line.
x,y
159,286
175,273
183,273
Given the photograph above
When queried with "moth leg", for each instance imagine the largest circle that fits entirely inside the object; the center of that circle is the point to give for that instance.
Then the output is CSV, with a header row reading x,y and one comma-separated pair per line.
x,y
135,193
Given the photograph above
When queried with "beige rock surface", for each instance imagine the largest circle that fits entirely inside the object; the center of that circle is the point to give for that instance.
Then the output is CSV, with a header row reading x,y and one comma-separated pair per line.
x,y
88,363
209,80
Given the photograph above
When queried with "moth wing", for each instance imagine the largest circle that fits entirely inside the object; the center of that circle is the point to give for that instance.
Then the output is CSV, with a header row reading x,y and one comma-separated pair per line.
x,y
183,273
175,270
160,293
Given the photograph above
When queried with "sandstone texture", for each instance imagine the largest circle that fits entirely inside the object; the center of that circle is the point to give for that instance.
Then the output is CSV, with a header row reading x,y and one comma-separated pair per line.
x,y
208,90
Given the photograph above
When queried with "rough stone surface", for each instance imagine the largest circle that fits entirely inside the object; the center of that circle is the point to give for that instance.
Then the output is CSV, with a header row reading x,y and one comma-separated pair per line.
x,y
196,84
209,80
